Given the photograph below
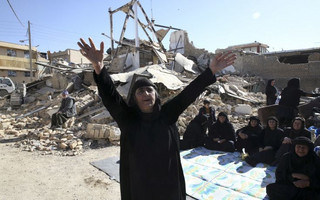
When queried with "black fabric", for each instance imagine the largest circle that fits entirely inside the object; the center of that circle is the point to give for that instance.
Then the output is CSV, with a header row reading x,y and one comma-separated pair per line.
x,y
150,166
271,92
58,119
291,133
206,118
195,134
290,163
220,130
268,138
290,98
251,144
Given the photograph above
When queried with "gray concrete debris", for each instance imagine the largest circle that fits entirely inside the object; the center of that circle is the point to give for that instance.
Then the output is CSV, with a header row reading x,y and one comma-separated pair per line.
x,y
28,124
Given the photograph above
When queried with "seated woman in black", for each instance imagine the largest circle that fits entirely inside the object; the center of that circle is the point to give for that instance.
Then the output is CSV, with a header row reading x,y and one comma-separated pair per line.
x,y
248,136
298,173
221,135
196,132
193,136
270,141
290,133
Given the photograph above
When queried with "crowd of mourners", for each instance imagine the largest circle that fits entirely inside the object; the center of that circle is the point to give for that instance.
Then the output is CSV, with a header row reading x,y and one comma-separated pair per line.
x,y
284,142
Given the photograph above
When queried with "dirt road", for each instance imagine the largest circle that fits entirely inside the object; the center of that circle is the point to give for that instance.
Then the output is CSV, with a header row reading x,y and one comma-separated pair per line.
x,y
31,176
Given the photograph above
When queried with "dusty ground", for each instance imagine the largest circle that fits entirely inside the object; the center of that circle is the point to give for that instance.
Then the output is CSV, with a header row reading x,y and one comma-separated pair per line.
x,y
31,176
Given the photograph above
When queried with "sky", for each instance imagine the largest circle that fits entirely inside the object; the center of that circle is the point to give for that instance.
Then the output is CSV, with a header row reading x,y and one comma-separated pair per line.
x,y
57,25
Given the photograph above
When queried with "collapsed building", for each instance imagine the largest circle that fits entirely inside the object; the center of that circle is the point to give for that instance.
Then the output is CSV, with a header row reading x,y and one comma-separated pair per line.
x,y
281,66
170,70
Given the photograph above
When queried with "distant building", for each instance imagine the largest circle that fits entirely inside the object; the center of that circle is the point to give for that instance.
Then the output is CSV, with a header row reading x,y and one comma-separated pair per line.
x,y
255,47
15,63
70,56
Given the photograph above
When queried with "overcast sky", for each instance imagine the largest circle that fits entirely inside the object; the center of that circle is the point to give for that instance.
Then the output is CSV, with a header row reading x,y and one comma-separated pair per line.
x,y
211,24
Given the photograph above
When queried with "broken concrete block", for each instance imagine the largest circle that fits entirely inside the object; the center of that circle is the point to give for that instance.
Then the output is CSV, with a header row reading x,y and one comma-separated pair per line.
x,y
63,145
20,125
96,131
243,109
4,125
73,144
114,134
12,132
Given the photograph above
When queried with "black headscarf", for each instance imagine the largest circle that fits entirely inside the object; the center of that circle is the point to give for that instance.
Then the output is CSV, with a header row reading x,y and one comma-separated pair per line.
x,y
254,118
294,82
299,162
222,114
143,82
275,119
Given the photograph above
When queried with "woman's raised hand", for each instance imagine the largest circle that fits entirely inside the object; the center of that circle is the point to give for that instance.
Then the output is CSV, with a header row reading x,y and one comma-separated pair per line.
x,y
221,61
92,54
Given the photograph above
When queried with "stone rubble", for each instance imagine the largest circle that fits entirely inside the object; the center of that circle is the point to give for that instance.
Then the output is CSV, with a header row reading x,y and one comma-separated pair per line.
x,y
28,128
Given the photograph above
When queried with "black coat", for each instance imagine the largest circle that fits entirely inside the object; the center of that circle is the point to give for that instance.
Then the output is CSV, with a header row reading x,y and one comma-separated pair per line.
x,y
68,107
150,166
222,130
292,134
271,138
252,142
290,96
290,163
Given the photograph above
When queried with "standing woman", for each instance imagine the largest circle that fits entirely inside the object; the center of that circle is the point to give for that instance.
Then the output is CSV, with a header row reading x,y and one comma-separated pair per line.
x,y
290,99
270,141
150,166
221,135
271,92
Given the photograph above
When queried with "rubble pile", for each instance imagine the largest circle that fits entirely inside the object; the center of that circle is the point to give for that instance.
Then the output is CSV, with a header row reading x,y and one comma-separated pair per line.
x,y
238,110
29,124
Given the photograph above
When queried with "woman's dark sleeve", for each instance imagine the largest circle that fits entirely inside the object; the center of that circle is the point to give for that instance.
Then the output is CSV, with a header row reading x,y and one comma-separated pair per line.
x,y
174,107
261,138
282,171
254,136
243,130
231,133
280,136
111,99
315,180
268,91
212,131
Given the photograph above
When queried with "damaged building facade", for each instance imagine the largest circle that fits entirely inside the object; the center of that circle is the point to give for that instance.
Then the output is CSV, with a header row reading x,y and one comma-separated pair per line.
x,y
282,66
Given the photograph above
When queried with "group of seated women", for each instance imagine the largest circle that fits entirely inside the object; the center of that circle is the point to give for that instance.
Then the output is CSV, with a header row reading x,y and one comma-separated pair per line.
x,y
291,149
263,145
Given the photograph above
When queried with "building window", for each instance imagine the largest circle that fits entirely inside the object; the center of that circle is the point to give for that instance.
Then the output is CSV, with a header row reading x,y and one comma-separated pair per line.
x,y
11,52
12,73
26,74
26,54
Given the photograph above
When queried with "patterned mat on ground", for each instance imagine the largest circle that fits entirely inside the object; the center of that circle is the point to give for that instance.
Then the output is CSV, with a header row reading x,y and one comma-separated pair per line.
x,y
220,175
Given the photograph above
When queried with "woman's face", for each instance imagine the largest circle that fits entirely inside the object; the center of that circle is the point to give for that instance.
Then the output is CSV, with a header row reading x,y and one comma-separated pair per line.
x,y
253,123
145,98
273,82
221,119
301,150
272,124
297,124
